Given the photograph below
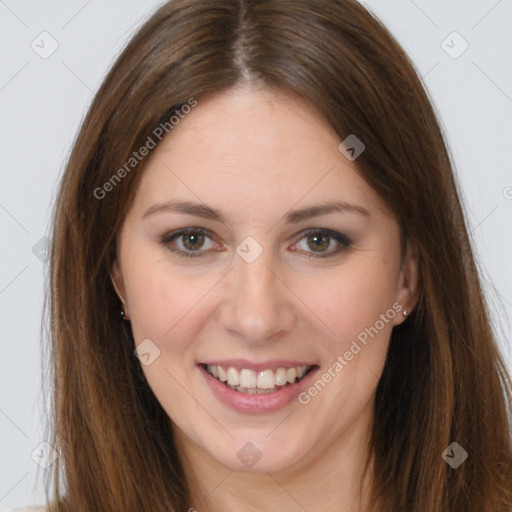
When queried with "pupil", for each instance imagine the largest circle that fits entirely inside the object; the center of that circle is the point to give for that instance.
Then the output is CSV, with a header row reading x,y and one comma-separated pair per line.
x,y
196,240
323,239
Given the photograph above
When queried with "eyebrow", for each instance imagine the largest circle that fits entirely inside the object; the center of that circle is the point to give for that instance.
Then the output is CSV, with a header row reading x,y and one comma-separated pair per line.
x,y
292,217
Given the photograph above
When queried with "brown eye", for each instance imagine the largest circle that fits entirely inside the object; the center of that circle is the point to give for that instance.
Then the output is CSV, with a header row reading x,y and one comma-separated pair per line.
x,y
189,242
319,241
193,240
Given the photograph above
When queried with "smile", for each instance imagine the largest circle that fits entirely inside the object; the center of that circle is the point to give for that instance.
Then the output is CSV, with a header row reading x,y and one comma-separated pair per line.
x,y
257,382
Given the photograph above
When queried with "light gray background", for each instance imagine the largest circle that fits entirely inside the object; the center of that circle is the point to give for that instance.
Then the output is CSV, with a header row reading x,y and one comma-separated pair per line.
x,y
43,101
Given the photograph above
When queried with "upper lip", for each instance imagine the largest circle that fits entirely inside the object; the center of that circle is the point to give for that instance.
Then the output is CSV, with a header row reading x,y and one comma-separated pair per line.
x,y
257,366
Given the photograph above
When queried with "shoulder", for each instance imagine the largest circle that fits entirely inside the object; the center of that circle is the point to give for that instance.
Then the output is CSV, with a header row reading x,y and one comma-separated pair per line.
x,y
28,509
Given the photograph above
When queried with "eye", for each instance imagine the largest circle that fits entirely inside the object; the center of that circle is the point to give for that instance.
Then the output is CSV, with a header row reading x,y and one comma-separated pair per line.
x,y
189,242
196,242
320,241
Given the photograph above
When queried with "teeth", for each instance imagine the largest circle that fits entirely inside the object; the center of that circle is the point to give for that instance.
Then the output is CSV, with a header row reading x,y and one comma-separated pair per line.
x,y
233,376
266,379
281,379
291,373
262,382
248,378
222,374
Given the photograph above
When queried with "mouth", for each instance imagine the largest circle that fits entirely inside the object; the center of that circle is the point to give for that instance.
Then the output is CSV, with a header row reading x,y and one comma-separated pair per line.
x,y
252,382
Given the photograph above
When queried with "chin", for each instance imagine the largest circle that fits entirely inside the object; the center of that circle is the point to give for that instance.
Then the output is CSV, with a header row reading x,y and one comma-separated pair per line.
x,y
251,453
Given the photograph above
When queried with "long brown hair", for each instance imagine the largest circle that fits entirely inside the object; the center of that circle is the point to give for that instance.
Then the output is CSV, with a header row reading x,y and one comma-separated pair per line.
x,y
444,380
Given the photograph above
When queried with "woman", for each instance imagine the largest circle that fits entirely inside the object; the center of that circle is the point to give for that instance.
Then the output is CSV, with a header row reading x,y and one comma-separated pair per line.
x,y
263,295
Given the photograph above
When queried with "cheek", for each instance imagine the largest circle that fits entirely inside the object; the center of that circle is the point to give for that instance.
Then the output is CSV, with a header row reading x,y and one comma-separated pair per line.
x,y
159,297
165,305
357,308
351,298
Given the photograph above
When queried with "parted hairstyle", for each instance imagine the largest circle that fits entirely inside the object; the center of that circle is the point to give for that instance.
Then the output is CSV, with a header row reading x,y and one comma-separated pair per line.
x,y
444,379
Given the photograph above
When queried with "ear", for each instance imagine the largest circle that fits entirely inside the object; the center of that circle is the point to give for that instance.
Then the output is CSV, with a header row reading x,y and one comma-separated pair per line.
x,y
407,290
118,283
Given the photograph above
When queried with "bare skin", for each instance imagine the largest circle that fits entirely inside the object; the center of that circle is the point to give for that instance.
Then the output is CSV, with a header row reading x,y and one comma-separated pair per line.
x,y
256,155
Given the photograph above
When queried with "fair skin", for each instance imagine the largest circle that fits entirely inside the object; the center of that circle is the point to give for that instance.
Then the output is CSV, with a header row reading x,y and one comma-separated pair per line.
x,y
256,155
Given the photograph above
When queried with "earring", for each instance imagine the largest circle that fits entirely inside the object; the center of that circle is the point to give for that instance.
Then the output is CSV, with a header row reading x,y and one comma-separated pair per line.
x,y
405,312
122,313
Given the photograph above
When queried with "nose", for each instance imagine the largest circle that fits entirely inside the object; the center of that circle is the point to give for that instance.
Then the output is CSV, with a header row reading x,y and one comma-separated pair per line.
x,y
258,305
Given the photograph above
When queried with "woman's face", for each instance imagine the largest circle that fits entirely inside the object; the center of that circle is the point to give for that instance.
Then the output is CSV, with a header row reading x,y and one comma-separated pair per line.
x,y
290,260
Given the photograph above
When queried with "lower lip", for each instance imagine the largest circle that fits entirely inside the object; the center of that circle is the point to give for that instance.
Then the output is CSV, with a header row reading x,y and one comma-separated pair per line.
x,y
244,402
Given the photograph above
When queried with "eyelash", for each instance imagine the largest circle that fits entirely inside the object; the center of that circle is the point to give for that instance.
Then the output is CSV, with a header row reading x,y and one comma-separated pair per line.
x,y
342,239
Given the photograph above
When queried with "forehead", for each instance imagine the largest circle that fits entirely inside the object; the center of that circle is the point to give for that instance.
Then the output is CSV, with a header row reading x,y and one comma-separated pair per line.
x,y
260,148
